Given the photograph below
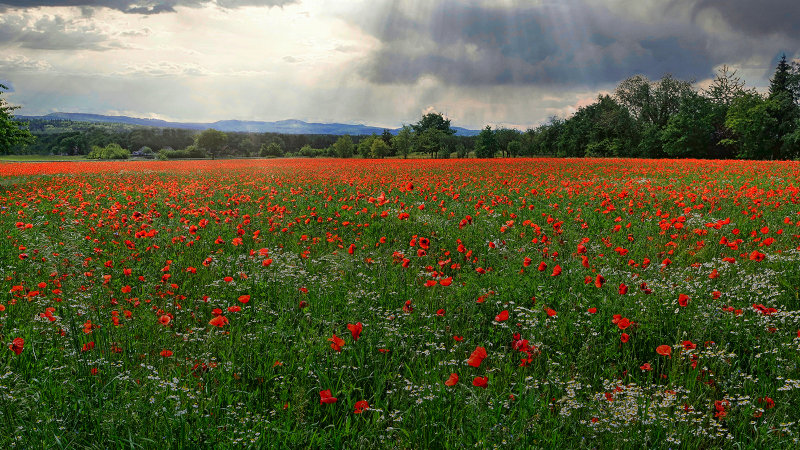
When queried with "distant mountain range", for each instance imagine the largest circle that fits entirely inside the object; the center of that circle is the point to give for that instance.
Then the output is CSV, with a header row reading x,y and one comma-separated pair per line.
x,y
290,126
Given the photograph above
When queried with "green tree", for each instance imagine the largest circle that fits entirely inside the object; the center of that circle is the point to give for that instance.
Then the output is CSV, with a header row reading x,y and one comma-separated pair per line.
x,y
343,147
723,91
433,121
273,149
402,141
514,148
110,151
430,141
505,136
461,151
486,145
784,109
753,125
212,141
12,132
387,138
690,131
652,102
725,88
365,145
379,148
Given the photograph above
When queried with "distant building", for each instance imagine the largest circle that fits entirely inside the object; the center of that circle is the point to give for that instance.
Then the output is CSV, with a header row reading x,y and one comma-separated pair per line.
x,y
144,152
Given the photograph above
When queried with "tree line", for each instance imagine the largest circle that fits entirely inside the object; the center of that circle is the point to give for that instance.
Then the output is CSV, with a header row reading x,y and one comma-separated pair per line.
x,y
665,118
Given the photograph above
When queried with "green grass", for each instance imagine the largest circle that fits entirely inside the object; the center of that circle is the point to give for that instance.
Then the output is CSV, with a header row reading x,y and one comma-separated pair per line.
x,y
256,381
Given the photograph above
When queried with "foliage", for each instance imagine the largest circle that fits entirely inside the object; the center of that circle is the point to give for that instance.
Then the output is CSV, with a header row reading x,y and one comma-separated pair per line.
x,y
110,151
379,148
212,142
486,145
402,141
343,147
12,132
273,149
434,121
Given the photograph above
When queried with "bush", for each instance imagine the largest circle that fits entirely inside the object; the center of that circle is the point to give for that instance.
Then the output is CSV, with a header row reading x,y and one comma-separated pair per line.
x,y
274,149
190,152
110,151
309,152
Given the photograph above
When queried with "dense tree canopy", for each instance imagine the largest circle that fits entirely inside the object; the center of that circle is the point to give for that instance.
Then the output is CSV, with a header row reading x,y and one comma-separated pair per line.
x,y
12,132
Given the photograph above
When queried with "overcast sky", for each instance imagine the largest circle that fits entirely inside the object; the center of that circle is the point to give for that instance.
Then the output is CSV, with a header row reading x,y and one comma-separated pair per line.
x,y
378,62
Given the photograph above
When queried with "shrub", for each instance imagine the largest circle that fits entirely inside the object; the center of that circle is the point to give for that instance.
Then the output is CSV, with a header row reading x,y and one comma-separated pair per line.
x,y
110,151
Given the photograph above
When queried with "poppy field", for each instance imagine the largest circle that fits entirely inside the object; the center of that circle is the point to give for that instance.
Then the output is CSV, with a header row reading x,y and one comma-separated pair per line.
x,y
400,304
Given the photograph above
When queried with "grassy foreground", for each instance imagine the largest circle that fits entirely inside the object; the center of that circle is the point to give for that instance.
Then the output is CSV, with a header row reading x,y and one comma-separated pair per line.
x,y
400,304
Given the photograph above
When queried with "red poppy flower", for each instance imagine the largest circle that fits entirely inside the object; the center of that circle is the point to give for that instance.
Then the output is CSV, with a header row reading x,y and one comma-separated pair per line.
x,y
446,281
623,289
556,271
166,353
326,398
502,317
452,380
481,382
355,330
16,345
646,367
244,298
360,406
664,350
542,266
458,338
623,323
336,343
164,320
550,312
430,283
624,337
526,262
599,281
592,310
477,356
218,321
440,313
683,300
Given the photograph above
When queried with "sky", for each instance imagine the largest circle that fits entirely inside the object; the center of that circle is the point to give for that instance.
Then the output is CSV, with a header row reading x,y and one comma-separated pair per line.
x,y
377,62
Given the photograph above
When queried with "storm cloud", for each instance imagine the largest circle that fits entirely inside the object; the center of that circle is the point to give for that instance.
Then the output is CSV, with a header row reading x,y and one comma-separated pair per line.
x,y
568,42
757,18
381,62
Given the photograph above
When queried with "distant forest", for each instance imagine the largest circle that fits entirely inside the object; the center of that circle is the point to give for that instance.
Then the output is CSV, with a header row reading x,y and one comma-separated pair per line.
x,y
667,118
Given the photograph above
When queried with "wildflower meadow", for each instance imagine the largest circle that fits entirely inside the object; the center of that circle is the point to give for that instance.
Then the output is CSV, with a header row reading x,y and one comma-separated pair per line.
x,y
509,303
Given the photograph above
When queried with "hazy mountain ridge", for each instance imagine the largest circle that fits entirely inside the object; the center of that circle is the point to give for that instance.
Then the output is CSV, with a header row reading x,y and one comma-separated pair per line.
x,y
290,126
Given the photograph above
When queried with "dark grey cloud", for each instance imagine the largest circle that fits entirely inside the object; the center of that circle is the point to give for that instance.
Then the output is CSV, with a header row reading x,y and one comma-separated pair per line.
x,y
139,6
759,18
52,33
567,42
